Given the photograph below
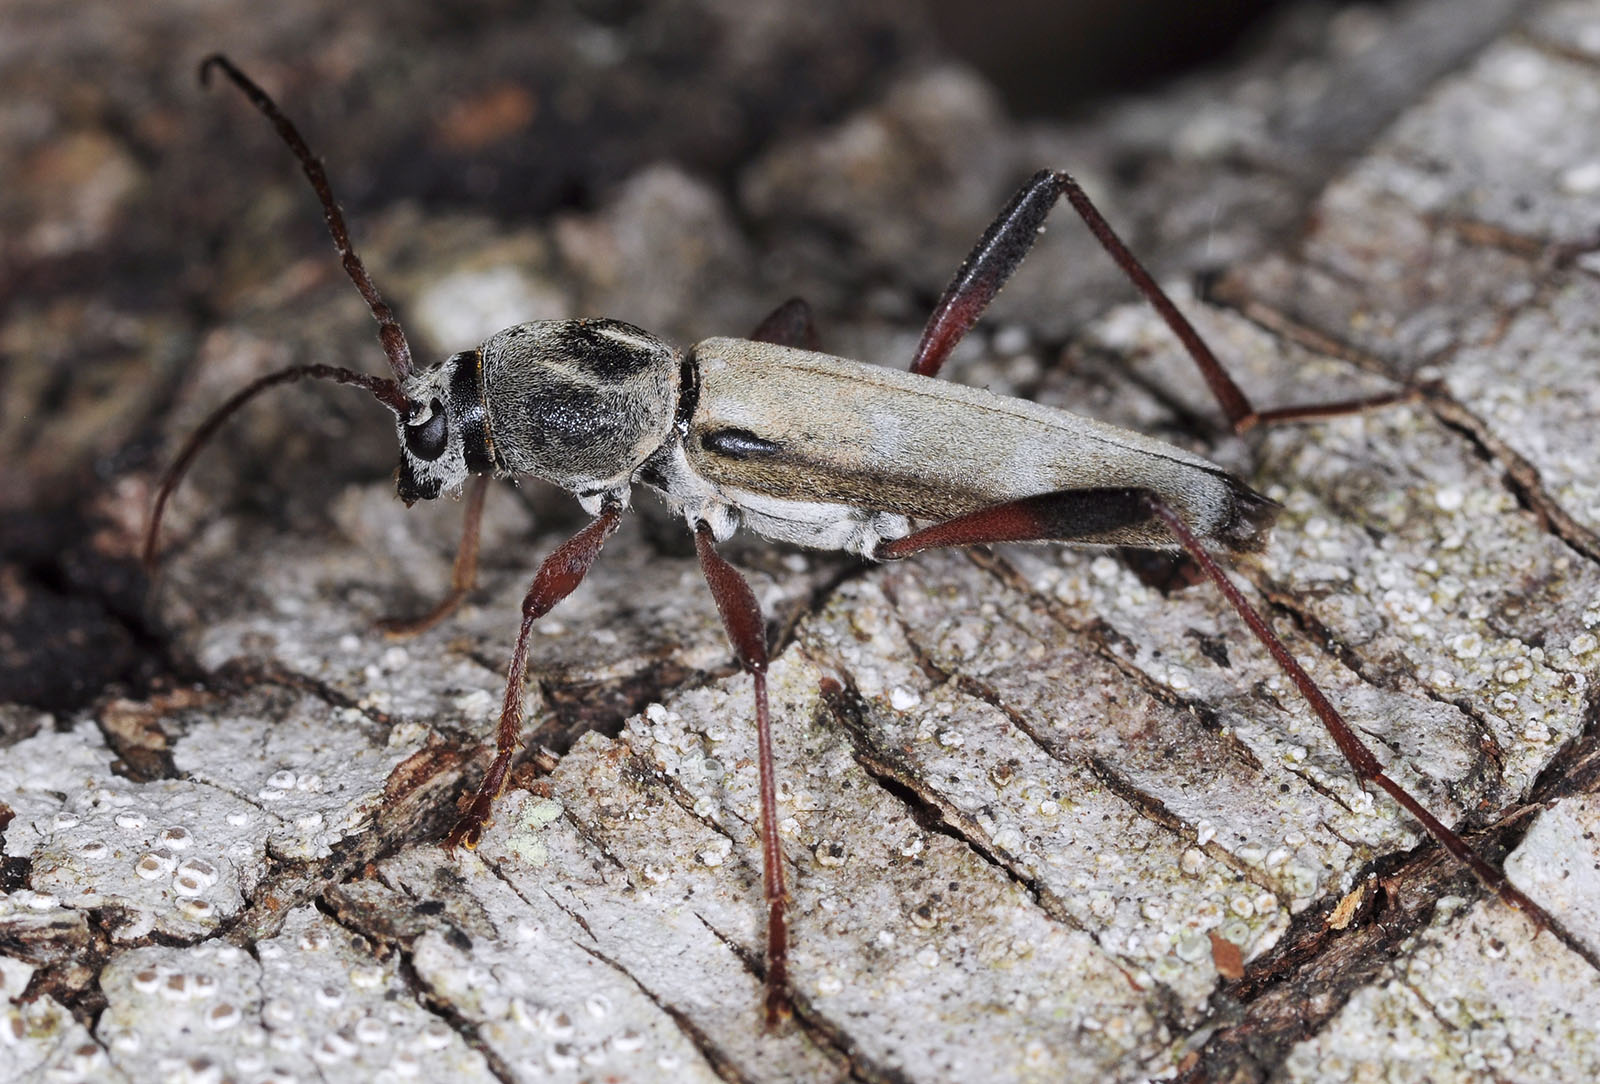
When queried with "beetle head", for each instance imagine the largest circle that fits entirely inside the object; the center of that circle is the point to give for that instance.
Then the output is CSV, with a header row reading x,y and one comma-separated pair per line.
x,y
436,434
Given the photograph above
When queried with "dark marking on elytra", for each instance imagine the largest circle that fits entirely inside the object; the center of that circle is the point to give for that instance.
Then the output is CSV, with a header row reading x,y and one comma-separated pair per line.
x,y
738,444
466,393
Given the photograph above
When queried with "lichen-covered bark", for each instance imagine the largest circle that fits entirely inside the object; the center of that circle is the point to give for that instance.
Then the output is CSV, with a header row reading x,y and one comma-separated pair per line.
x,y
1042,821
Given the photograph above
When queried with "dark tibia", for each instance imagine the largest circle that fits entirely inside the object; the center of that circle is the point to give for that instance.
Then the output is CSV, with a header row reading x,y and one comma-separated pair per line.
x,y
1002,248
790,324
463,576
1062,515
1241,415
389,333
1008,240
1338,408
386,391
557,578
1360,757
741,617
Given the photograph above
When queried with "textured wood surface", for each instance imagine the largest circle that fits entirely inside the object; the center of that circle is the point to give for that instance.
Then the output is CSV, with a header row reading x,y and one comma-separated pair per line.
x,y
1042,821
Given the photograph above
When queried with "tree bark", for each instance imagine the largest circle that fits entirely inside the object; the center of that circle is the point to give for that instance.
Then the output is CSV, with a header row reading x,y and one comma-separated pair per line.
x,y
1042,820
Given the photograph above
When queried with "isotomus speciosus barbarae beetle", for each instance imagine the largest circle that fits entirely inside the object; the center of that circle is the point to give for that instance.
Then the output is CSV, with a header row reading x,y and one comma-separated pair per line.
x,y
807,449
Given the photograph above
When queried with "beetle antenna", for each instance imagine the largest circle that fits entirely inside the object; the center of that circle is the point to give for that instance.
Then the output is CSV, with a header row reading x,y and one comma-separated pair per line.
x,y
389,333
386,391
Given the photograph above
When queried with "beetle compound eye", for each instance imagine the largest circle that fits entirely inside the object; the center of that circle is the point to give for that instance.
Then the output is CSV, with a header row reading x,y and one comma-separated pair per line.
x,y
426,440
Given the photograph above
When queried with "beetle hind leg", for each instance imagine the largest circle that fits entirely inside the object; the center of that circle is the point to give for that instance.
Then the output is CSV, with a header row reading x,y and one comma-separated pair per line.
x,y
1360,757
1007,241
1073,515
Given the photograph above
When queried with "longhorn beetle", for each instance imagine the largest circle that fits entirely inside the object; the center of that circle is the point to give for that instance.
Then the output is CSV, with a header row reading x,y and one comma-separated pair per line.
x,y
766,433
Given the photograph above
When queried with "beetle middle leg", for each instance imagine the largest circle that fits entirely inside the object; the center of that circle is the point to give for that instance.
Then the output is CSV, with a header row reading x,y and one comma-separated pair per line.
x,y
790,324
741,617
1007,242
463,574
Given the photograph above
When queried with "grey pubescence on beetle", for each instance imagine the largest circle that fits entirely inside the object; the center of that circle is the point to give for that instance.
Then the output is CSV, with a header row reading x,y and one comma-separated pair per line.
x,y
580,403
596,406
805,448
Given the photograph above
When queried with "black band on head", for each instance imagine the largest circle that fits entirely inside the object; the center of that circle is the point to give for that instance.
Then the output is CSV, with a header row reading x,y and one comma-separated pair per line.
x,y
466,396
688,390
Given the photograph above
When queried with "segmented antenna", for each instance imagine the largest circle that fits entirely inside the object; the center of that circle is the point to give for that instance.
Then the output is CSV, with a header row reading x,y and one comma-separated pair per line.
x,y
389,333
387,392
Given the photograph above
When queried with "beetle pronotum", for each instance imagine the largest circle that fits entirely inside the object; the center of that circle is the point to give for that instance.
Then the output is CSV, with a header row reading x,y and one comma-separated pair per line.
x,y
807,449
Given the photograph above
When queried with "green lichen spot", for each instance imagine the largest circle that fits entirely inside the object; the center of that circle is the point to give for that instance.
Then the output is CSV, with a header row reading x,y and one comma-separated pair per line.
x,y
525,842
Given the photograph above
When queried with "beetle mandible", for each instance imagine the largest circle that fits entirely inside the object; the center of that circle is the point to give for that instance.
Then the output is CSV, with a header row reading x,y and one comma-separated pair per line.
x,y
803,448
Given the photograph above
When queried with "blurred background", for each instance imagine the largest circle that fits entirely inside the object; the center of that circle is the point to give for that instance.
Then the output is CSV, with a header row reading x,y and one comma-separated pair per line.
x,y
684,164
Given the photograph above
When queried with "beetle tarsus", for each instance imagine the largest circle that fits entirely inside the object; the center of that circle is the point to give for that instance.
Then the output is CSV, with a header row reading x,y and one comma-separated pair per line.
x,y
467,833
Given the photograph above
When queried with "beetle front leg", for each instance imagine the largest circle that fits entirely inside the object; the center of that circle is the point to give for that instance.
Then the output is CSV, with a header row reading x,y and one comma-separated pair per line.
x,y
741,617
557,578
463,575
1007,242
